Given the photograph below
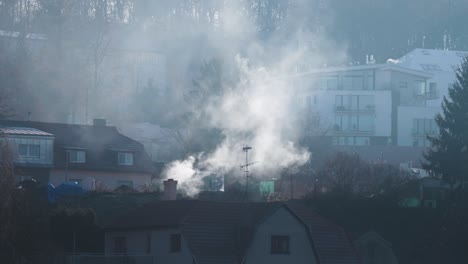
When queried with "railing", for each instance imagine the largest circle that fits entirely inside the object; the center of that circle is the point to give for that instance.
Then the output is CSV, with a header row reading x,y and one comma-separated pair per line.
x,y
419,133
347,109
109,259
339,130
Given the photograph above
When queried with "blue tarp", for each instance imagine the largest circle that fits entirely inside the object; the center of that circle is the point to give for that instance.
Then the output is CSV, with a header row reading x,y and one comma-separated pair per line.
x,y
64,190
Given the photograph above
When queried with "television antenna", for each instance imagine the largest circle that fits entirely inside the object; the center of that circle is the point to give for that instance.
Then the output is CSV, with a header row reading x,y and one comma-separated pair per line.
x,y
245,167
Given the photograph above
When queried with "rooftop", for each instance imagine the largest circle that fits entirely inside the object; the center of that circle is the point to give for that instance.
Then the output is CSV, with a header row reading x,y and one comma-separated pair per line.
x,y
430,60
219,232
101,143
385,67
26,131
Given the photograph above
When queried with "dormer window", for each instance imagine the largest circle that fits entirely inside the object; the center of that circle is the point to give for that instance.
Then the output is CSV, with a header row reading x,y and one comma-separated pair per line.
x,y
125,158
31,151
76,156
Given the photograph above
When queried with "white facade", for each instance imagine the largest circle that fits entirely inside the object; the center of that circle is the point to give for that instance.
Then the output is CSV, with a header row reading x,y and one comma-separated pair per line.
x,y
155,243
358,105
414,124
441,63
281,223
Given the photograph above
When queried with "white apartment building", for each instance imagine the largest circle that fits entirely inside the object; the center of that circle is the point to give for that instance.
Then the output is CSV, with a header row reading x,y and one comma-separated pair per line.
x,y
363,105
442,64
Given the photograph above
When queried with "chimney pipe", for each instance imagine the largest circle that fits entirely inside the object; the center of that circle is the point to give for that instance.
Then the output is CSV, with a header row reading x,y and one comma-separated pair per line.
x,y
170,190
101,122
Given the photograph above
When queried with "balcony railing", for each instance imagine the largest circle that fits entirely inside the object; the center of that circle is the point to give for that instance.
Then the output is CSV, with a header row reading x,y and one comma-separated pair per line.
x,y
419,133
370,109
338,130
428,95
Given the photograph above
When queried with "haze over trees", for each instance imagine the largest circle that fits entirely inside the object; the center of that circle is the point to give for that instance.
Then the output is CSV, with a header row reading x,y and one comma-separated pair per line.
x,y
66,57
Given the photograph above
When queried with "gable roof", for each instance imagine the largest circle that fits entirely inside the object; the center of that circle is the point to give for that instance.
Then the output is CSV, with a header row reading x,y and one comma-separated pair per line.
x,y
220,232
101,144
431,60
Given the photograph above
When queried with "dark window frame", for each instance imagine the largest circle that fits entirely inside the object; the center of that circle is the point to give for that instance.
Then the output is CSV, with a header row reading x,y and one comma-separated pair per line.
x,y
175,243
119,244
280,245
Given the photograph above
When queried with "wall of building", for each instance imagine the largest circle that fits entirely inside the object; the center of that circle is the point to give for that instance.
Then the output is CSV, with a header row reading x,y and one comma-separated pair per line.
x,y
406,116
282,222
104,180
443,79
159,245
324,102
45,144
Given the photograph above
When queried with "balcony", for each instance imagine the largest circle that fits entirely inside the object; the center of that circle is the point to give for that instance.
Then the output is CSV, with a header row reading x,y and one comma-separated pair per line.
x,y
427,95
419,133
368,109
354,131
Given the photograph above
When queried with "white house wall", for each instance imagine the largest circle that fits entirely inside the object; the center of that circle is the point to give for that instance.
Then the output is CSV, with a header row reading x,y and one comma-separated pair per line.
x,y
325,106
137,243
282,222
406,115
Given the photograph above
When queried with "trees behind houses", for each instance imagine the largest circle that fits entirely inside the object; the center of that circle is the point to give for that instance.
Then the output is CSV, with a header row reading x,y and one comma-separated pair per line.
x,y
347,174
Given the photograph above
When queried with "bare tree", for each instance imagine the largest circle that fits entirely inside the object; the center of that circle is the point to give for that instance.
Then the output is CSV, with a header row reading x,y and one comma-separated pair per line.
x,y
346,173
8,194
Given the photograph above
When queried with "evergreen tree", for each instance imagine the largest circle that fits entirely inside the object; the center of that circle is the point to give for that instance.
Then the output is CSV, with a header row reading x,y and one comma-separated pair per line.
x,y
448,156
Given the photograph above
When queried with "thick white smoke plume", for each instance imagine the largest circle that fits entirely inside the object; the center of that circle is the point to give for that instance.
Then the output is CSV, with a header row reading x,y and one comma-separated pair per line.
x,y
257,112
260,110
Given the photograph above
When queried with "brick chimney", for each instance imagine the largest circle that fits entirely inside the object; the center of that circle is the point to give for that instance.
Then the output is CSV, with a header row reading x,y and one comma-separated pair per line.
x,y
170,190
100,122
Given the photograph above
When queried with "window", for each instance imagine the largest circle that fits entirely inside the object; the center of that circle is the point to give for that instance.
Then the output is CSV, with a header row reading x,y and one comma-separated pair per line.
x,y
279,244
341,123
332,84
351,141
403,84
419,88
120,245
432,93
423,126
366,102
354,102
125,158
341,102
353,82
76,156
431,67
148,244
29,150
361,141
175,243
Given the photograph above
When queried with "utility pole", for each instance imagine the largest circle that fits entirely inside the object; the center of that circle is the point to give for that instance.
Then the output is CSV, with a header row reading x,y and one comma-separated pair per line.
x,y
245,166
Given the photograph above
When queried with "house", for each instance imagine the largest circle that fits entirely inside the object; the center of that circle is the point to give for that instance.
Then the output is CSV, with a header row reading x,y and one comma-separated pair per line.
x,y
57,153
31,152
194,231
374,249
